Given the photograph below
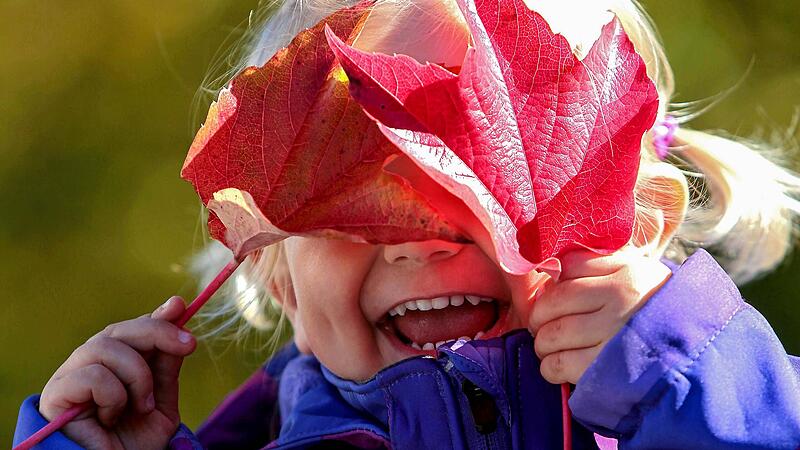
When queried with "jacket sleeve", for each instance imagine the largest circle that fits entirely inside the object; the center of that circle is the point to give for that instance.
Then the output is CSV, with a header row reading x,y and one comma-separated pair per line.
x,y
31,421
249,417
184,439
695,367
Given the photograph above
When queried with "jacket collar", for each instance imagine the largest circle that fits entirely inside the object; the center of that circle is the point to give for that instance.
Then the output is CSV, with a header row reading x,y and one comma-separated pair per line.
x,y
421,400
482,362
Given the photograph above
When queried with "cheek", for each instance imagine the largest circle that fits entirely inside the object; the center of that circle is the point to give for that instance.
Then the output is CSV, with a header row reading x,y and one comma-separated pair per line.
x,y
339,335
328,277
327,274
326,298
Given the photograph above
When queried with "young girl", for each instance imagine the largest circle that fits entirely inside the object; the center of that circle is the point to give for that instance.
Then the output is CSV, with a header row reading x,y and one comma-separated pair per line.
x,y
429,344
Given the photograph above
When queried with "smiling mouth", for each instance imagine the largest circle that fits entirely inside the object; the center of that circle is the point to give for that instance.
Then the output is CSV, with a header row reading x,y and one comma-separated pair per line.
x,y
426,324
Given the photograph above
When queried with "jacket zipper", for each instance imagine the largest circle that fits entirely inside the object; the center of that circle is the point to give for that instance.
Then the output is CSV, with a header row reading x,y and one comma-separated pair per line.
x,y
484,413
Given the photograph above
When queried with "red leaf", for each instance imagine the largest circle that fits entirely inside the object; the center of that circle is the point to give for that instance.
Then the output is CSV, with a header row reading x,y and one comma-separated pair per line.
x,y
285,150
543,148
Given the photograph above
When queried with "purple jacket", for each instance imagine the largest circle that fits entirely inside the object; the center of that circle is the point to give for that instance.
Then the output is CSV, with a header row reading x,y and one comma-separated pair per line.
x,y
696,367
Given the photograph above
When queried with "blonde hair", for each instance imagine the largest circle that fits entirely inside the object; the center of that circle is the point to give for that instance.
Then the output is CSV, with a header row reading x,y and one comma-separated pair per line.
x,y
742,204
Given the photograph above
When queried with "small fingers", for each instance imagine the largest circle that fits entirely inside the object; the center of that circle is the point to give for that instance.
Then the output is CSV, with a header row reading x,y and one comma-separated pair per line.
x,y
572,332
126,363
95,383
586,263
166,370
565,298
567,366
145,334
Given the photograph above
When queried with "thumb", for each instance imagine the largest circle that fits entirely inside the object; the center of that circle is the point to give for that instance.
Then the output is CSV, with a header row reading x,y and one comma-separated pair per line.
x,y
171,310
166,371
524,290
166,367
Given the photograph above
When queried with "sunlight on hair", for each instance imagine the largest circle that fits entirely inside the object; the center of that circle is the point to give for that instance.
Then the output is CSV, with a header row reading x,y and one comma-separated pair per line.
x,y
248,303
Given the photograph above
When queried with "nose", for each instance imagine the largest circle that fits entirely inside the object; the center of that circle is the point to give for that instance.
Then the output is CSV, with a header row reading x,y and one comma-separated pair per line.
x,y
420,252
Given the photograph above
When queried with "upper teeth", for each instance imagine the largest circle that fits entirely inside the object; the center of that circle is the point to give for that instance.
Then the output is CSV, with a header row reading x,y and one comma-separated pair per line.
x,y
437,303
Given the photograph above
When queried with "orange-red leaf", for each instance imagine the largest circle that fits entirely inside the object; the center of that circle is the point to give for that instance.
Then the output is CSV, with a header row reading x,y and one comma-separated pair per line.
x,y
286,151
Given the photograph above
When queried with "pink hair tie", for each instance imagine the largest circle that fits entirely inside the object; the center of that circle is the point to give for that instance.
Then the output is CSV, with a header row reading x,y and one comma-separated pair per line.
x,y
664,132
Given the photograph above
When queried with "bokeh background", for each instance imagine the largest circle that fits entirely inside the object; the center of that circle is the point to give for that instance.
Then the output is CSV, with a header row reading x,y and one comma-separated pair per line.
x,y
96,105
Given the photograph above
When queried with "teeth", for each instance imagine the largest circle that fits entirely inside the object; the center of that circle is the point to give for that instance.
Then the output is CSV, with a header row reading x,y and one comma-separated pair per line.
x,y
440,302
437,303
432,346
399,310
424,305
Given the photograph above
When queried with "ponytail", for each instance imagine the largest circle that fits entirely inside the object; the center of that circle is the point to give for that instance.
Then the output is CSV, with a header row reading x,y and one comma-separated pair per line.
x,y
743,206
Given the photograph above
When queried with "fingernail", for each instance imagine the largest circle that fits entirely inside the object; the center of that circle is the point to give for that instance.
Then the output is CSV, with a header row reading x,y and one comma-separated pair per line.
x,y
184,337
150,402
164,305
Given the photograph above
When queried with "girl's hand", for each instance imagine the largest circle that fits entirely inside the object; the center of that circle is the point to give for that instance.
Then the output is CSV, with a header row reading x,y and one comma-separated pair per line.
x,y
574,318
130,372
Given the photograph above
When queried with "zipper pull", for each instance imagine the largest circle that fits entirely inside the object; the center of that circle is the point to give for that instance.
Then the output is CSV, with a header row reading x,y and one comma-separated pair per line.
x,y
481,404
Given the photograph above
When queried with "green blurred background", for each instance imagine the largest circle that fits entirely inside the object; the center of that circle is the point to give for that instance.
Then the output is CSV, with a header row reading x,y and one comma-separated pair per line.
x,y
96,225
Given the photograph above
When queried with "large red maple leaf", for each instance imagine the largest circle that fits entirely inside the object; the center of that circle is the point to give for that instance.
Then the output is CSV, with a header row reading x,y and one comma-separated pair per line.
x,y
544,148
286,151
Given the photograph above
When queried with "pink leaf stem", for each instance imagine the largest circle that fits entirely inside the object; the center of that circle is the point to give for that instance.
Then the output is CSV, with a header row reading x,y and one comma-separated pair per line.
x,y
212,287
62,419
566,416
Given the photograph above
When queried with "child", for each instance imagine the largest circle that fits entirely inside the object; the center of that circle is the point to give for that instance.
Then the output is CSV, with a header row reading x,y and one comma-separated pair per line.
x,y
428,344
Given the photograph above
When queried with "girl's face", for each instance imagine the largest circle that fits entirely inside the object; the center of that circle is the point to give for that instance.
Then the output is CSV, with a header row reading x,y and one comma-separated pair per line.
x,y
347,294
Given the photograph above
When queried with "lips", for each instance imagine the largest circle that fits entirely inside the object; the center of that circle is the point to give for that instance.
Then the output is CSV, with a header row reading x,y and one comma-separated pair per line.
x,y
424,324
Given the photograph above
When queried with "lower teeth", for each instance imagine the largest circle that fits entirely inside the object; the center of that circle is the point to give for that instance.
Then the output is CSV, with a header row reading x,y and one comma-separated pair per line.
x,y
431,346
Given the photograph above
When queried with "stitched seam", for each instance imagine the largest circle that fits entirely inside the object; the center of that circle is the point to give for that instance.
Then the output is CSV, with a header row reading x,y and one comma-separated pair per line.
x,y
300,437
334,437
646,408
710,340
393,382
391,385
437,377
389,416
441,397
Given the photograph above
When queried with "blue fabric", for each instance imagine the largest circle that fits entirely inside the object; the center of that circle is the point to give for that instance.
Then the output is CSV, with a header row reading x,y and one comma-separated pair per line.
x,y
423,400
184,439
30,421
695,367
248,417
313,409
